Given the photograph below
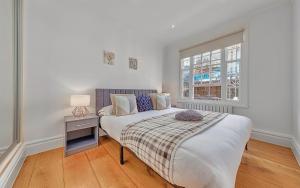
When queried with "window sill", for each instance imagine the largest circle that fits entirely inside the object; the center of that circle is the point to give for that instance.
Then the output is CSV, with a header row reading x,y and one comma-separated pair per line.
x,y
217,102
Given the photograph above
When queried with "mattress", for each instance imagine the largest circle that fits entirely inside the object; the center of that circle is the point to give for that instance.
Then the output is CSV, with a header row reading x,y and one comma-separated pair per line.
x,y
208,159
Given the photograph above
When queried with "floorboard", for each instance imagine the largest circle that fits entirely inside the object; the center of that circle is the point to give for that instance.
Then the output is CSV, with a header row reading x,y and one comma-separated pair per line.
x,y
263,166
48,171
107,171
26,172
134,167
78,172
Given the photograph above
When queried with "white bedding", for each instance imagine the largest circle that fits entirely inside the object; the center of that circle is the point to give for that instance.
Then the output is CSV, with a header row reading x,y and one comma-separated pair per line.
x,y
209,159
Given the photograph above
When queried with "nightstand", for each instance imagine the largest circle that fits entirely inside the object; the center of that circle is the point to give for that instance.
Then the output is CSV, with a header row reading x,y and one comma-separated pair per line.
x,y
81,133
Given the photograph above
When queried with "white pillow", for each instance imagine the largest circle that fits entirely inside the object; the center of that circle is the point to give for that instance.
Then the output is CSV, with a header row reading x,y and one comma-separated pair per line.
x,y
168,100
133,105
106,111
132,102
122,105
161,102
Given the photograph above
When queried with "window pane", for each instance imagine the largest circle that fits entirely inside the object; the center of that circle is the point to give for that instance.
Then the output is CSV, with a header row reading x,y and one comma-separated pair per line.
x,y
197,61
197,76
233,84
216,55
239,51
197,66
233,52
205,57
201,92
186,76
230,54
232,94
216,62
233,68
205,75
215,92
186,92
215,74
185,63
186,82
233,81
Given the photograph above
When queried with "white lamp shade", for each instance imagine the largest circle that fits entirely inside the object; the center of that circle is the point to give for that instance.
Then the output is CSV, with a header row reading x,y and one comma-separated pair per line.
x,y
80,100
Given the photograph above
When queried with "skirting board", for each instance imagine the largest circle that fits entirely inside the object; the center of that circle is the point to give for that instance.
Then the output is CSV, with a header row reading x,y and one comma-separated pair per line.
x,y
296,150
41,145
272,137
278,139
12,170
3,150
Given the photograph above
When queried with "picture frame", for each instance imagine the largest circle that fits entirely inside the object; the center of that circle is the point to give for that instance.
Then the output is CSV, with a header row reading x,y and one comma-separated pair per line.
x,y
109,57
133,63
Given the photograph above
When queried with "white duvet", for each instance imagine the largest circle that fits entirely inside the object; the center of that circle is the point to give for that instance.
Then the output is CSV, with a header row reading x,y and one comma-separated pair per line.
x,y
209,159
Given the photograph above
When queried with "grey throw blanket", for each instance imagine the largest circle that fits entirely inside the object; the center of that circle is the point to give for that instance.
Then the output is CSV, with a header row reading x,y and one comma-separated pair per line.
x,y
156,140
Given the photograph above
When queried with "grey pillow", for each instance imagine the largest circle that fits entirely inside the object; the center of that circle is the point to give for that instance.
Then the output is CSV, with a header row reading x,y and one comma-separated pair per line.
x,y
189,115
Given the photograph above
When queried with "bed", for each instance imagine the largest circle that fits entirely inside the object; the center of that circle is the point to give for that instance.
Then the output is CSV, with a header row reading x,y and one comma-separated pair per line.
x,y
208,159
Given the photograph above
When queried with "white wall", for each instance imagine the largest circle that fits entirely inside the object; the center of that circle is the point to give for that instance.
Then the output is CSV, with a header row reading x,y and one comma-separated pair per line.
x,y
296,68
63,55
269,65
6,74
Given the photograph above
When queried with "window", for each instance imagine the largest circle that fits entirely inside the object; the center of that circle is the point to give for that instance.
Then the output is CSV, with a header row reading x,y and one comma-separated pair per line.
x,y
211,71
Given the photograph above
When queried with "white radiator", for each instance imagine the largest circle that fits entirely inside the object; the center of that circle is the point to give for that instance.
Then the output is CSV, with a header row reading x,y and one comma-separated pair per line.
x,y
207,107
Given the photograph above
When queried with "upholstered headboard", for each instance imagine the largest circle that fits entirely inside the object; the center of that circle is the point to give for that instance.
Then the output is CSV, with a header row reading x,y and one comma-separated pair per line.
x,y
103,95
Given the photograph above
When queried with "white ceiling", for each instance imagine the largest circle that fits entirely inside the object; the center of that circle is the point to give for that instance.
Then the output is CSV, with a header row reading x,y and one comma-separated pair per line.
x,y
155,17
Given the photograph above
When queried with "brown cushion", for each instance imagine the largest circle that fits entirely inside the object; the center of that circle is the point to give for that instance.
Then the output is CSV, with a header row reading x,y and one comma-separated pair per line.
x,y
153,100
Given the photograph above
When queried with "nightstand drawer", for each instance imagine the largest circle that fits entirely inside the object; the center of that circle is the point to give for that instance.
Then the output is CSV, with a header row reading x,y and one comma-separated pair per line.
x,y
81,124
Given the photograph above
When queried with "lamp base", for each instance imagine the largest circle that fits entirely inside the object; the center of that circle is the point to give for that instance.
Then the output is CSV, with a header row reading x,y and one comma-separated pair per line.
x,y
80,111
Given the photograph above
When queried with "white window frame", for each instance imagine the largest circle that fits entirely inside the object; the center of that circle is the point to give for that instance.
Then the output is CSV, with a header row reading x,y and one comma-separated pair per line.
x,y
243,87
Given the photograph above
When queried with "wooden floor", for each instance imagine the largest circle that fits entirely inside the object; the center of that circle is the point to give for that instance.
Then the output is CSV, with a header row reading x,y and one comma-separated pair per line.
x,y
263,165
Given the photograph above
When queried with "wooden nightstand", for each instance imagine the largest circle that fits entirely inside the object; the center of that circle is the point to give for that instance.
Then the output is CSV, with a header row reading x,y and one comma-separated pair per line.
x,y
80,133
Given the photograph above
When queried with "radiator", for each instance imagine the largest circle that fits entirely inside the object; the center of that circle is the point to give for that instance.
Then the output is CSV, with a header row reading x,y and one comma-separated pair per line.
x,y
207,107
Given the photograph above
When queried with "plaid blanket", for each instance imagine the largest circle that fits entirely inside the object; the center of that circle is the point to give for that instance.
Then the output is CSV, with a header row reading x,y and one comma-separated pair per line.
x,y
156,140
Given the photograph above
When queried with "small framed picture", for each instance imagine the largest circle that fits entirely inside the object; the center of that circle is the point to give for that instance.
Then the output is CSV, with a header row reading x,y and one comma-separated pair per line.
x,y
133,63
109,57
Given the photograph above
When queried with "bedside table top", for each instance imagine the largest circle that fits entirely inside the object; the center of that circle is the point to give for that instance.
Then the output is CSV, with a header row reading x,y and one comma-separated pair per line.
x,y
72,118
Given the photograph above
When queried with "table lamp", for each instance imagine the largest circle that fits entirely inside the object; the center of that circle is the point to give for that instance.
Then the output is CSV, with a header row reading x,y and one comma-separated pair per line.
x,y
80,102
